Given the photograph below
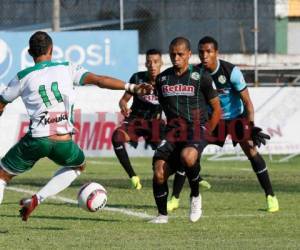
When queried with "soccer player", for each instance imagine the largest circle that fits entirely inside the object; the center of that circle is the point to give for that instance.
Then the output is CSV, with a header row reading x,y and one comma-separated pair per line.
x,y
139,118
47,90
184,92
238,115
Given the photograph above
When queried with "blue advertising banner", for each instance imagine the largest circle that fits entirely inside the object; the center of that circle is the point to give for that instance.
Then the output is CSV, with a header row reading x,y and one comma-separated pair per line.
x,y
113,53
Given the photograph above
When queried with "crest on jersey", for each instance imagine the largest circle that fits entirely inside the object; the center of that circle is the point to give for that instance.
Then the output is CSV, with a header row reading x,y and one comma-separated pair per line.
x,y
195,76
163,78
222,79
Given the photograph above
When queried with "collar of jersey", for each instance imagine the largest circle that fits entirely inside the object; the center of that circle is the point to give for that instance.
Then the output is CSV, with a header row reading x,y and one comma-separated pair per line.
x,y
215,71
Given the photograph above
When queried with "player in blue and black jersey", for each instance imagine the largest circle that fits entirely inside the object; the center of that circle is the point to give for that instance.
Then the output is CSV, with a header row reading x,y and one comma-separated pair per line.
x,y
238,115
142,119
184,92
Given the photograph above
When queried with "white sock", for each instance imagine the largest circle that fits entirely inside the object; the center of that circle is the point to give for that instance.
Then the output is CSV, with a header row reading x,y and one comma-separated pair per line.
x,y
60,181
2,187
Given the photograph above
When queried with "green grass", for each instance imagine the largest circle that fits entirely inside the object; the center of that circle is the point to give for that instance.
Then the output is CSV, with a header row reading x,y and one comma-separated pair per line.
x,y
234,216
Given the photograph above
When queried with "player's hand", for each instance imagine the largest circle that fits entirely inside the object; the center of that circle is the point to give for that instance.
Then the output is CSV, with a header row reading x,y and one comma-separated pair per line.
x,y
143,89
125,111
258,136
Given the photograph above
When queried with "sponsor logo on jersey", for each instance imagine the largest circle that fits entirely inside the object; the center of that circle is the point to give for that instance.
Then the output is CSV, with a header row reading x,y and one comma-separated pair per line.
x,y
222,79
6,58
195,76
153,99
178,89
45,118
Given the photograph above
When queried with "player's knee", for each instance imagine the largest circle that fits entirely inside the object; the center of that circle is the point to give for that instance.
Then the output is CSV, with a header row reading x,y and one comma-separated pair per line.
x,y
5,176
160,174
189,157
118,138
81,168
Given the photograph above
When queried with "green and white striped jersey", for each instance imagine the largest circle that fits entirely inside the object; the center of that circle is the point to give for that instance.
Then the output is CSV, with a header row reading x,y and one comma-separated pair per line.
x,y
47,90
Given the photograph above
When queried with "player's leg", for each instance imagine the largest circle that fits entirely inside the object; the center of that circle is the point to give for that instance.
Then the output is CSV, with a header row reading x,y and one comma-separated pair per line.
x,y
160,190
5,177
261,171
161,171
66,154
190,159
119,138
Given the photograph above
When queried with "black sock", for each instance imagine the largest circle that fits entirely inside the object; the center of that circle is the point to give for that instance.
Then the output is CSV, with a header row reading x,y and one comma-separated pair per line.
x,y
260,168
121,153
193,176
178,183
160,192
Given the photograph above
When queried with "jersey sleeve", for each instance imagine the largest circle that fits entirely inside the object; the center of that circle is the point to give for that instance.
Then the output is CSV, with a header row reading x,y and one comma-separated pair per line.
x,y
78,74
12,91
208,87
237,79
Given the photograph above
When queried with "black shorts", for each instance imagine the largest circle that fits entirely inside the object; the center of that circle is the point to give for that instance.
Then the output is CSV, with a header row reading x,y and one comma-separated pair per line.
x,y
238,129
170,153
151,130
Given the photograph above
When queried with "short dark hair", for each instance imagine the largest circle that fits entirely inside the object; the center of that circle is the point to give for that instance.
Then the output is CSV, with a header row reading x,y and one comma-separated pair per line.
x,y
208,39
39,44
153,52
181,40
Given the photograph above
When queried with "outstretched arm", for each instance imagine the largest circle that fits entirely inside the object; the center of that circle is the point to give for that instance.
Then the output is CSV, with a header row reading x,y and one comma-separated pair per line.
x,y
116,84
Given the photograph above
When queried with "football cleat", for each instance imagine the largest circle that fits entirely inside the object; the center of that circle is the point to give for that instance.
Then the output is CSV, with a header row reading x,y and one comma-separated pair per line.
x,y
204,185
136,182
173,204
27,207
196,208
272,204
160,219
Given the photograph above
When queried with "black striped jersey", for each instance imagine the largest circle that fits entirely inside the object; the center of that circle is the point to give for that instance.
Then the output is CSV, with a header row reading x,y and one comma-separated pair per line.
x,y
146,106
185,96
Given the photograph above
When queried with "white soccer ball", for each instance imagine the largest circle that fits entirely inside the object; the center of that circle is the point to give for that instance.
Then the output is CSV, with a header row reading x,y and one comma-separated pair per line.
x,y
92,197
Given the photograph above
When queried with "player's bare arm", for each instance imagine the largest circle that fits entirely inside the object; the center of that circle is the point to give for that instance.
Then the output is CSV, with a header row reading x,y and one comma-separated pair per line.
x,y
248,104
116,84
216,113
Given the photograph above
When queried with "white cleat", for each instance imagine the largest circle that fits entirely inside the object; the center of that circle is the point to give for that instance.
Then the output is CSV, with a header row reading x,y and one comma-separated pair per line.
x,y
196,208
160,219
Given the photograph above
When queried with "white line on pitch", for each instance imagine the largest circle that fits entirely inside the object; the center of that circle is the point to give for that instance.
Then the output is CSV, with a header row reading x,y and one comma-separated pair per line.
x,y
71,201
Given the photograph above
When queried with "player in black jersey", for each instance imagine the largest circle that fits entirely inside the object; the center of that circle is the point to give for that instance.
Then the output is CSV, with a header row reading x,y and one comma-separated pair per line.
x,y
238,116
143,117
184,92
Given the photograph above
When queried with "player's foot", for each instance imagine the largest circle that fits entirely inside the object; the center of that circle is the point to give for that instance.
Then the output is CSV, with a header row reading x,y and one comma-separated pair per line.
x,y
172,204
27,206
204,184
136,182
160,219
196,208
272,204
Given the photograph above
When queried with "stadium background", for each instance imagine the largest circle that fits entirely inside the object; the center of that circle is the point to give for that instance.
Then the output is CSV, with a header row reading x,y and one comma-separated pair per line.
x,y
109,25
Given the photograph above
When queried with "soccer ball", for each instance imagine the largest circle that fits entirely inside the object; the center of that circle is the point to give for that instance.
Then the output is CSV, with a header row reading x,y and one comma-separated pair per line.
x,y
92,197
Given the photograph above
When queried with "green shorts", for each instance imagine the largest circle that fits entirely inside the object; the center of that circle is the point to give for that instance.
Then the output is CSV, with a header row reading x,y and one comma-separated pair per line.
x,y
22,156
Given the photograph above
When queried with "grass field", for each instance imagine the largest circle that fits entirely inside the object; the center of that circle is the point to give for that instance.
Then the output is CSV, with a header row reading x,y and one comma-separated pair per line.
x,y
233,216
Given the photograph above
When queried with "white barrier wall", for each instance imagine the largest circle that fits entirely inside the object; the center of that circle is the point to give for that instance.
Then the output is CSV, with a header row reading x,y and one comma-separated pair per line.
x,y
96,116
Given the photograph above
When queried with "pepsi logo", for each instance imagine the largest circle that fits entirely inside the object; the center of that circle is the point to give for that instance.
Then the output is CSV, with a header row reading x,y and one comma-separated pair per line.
x,y
6,58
